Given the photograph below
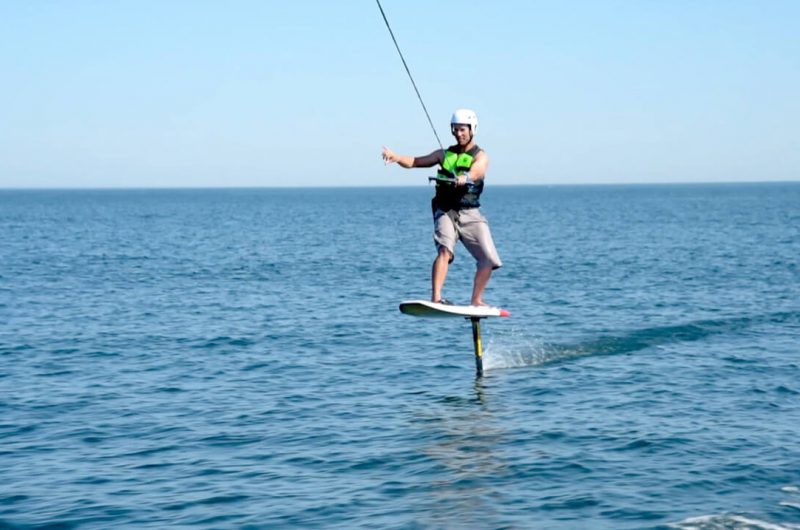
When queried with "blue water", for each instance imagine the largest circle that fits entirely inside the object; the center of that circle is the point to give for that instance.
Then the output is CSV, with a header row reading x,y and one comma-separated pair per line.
x,y
235,359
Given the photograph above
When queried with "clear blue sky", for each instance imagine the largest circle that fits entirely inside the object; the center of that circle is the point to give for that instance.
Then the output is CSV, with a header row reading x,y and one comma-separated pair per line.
x,y
140,93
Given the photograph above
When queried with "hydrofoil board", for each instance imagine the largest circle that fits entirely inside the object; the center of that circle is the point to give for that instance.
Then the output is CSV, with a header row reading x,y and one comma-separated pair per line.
x,y
426,308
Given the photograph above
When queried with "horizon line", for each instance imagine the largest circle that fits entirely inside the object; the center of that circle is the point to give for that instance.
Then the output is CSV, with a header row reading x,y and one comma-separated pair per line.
x,y
301,187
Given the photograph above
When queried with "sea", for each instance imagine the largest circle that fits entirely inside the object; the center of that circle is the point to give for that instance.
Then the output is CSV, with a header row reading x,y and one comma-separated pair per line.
x,y
235,358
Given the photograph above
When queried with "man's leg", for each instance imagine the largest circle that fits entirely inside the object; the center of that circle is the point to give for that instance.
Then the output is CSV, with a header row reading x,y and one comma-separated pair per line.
x,y
439,273
481,279
445,236
477,238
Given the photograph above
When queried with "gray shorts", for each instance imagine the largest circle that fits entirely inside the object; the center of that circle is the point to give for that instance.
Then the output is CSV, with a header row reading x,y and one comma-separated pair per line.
x,y
471,228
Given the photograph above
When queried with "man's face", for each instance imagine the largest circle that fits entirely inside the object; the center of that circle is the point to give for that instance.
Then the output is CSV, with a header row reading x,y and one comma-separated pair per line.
x,y
462,133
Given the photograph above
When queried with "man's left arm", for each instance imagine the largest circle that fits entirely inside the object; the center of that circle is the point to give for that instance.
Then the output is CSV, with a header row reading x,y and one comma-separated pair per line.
x,y
478,169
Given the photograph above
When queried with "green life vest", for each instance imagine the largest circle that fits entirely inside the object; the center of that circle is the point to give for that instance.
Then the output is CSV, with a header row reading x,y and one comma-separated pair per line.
x,y
449,196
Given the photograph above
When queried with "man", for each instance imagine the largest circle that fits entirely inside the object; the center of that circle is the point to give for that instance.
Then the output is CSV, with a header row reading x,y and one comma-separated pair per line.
x,y
456,213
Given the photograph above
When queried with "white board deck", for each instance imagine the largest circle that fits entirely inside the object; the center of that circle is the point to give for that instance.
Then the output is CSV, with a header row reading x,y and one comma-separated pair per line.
x,y
426,308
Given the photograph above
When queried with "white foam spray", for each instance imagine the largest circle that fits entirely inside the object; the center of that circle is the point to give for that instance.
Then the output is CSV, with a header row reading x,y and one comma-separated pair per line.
x,y
729,522
517,348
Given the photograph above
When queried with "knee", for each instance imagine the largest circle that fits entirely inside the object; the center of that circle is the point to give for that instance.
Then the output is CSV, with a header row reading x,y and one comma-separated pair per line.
x,y
487,266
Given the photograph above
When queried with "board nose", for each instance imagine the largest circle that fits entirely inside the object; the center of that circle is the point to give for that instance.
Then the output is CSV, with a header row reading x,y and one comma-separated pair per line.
x,y
505,313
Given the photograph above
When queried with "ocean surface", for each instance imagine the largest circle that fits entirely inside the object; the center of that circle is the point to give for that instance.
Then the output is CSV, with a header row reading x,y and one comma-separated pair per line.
x,y
236,359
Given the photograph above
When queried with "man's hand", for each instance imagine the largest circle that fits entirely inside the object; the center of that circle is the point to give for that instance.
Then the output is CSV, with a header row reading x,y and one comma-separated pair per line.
x,y
462,180
389,157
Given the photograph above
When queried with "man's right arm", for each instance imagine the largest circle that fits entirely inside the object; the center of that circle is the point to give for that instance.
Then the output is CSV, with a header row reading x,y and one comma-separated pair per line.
x,y
430,160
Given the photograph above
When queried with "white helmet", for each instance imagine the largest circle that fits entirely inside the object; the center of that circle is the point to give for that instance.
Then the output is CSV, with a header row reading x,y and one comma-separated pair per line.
x,y
465,117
